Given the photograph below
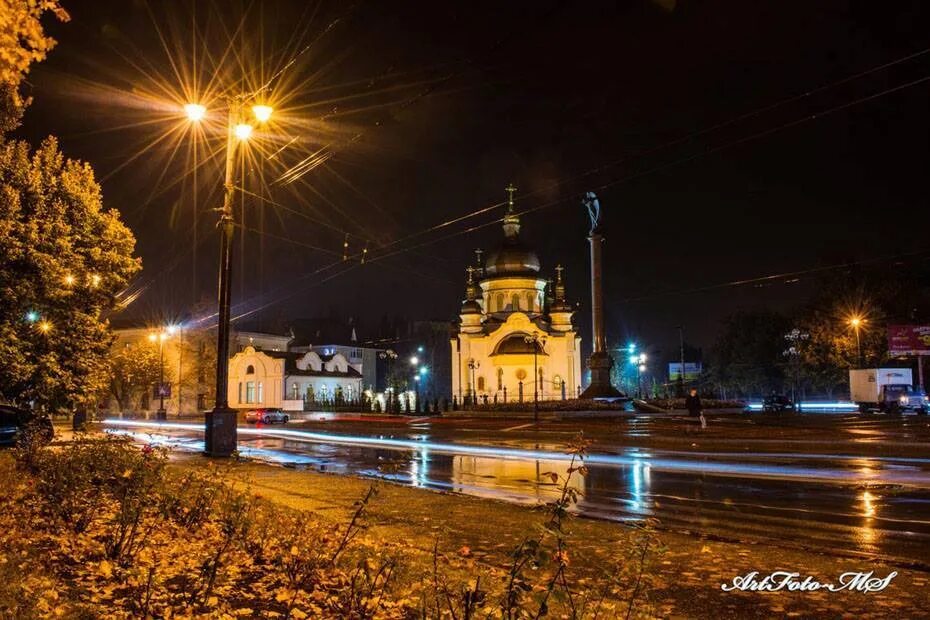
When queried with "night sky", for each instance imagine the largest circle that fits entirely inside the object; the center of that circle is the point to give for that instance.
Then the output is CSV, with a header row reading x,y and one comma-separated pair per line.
x,y
429,109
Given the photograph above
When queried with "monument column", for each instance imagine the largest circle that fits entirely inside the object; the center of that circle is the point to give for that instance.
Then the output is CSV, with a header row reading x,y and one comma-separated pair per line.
x,y
600,361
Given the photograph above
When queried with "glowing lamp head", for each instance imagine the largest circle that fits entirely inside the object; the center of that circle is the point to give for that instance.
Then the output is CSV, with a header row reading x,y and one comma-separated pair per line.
x,y
195,112
855,321
414,360
243,131
171,329
69,280
424,370
32,316
153,337
633,359
262,112
45,327
642,368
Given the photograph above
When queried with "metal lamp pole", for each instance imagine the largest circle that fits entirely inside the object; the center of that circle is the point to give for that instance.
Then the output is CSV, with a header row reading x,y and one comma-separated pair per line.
x,y
161,414
220,431
535,340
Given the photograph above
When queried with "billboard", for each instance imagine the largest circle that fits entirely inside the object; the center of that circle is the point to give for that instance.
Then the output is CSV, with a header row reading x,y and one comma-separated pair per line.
x,y
692,371
909,339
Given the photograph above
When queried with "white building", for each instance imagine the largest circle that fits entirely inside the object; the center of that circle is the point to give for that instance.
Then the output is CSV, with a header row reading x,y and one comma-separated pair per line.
x,y
291,380
508,326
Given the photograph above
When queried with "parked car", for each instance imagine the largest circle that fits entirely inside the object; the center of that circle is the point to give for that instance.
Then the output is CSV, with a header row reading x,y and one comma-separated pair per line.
x,y
15,421
266,416
777,403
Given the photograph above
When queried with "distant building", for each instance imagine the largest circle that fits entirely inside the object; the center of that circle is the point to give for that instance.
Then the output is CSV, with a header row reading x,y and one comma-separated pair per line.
x,y
290,379
510,316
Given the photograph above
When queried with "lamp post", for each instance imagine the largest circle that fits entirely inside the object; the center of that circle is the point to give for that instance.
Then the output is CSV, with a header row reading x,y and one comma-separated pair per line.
x,y
641,368
160,337
856,323
389,355
220,423
536,341
415,362
473,364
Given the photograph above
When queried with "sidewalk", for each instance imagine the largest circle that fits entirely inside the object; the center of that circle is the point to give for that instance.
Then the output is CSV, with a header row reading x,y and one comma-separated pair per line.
x,y
689,574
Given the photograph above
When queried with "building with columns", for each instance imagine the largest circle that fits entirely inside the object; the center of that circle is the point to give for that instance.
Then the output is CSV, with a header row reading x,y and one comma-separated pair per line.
x,y
512,320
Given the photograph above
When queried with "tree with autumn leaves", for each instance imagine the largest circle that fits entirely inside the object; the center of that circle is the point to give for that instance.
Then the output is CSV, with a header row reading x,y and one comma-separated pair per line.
x,y
63,257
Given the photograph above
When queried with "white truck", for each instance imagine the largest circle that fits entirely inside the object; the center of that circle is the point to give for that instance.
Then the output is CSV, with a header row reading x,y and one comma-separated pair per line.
x,y
887,390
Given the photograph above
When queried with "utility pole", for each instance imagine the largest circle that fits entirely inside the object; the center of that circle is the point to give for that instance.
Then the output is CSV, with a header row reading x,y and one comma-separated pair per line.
x,y
681,352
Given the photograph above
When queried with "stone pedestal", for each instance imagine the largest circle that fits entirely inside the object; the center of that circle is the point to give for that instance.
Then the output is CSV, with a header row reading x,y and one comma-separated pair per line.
x,y
220,433
600,363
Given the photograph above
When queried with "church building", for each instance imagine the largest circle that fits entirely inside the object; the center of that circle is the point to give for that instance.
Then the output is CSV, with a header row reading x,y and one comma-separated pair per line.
x,y
514,320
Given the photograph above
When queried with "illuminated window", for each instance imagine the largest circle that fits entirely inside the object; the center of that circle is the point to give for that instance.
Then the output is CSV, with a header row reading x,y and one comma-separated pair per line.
x,y
261,393
529,301
515,302
249,391
499,306
294,391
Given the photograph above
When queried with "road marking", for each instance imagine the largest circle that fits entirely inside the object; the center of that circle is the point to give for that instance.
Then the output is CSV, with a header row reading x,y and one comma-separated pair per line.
x,y
516,428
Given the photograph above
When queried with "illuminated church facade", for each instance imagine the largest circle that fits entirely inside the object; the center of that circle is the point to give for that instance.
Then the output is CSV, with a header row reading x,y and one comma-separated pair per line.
x,y
514,320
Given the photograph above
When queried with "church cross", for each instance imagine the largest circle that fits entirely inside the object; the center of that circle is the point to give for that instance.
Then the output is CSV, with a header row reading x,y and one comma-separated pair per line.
x,y
510,189
558,272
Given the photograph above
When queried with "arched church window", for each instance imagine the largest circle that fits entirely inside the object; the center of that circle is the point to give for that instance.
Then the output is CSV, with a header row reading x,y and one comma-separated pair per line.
x,y
515,302
500,378
529,302
250,369
499,306
480,384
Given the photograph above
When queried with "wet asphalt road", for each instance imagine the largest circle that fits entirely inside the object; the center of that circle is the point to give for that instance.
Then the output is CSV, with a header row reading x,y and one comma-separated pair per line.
x,y
843,483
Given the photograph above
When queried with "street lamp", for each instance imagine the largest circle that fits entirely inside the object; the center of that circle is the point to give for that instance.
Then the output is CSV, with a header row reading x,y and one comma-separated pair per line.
x,y
195,112
389,355
856,322
160,338
641,361
474,365
536,341
220,424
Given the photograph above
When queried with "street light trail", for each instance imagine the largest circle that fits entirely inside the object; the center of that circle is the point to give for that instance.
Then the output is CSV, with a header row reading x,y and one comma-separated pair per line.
x,y
913,476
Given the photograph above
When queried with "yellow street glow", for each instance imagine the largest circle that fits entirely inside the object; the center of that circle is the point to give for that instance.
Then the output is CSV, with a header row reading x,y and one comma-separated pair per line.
x,y
195,111
262,112
69,279
243,131
45,326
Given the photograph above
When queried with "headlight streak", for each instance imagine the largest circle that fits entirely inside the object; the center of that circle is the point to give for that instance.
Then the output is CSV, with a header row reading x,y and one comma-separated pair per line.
x,y
657,464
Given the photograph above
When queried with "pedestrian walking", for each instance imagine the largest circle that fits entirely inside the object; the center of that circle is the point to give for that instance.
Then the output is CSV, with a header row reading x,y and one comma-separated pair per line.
x,y
693,404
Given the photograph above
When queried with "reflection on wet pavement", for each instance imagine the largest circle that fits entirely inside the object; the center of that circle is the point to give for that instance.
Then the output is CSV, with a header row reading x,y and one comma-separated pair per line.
x,y
861,504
